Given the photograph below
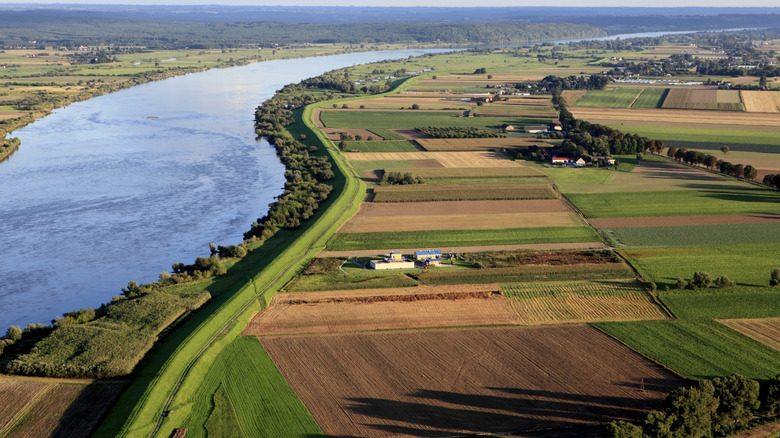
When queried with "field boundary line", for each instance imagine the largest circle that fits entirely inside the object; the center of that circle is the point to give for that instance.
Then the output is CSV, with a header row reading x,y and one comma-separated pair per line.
x,y
631,105
26,409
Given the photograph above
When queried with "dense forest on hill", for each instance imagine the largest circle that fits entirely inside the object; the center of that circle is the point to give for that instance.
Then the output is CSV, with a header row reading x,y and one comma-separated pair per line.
x,y
20,28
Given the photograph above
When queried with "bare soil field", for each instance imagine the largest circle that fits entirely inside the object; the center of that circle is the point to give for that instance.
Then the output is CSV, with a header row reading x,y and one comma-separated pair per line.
x,y
460,222
448,159
409,134
382,309
672,221
426,164
680,118
61,409
765,331
760,432
528,246
460,381
761,101
581,301
21,392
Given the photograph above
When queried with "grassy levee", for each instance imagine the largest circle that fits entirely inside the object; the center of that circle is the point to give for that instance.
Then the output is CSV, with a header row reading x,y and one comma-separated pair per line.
x,y
175,365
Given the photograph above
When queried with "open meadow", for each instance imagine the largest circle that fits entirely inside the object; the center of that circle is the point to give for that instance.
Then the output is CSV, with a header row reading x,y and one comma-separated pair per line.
x,y
445,382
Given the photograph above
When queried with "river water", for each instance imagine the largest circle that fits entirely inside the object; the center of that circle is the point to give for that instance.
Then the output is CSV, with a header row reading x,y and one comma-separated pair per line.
x,y
121,186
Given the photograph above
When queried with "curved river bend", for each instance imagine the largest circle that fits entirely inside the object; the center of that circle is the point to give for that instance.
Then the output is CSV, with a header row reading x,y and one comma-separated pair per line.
x,y
121,186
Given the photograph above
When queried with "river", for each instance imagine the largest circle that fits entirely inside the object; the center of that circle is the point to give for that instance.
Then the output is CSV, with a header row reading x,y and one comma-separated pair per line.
x,y
121,186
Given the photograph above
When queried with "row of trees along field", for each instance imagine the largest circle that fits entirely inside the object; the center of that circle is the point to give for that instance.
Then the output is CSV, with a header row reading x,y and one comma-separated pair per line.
x,y
716,408
696,158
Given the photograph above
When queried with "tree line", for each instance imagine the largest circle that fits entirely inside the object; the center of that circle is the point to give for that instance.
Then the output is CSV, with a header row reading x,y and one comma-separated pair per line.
x,y
716,408
697,158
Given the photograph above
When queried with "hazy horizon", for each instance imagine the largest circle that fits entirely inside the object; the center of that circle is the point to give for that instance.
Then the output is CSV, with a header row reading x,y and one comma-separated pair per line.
x,y
412,3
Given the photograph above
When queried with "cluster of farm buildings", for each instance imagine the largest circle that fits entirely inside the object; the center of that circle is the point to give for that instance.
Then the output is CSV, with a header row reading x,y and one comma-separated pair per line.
x,y
396,260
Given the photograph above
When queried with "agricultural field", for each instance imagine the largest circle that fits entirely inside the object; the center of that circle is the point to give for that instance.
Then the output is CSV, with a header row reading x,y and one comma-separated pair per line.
x,y
671,221
473,237
610,98
718,234
703,99
765,331
461,192
761,101
460,173
445,159
526,273
478,144
651,98
463,381
48,407
360,310
241,391
380,146
556,302
697,349
398,119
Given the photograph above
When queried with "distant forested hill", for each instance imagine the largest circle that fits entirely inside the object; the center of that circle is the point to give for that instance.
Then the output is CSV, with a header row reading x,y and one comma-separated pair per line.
x,y
51,27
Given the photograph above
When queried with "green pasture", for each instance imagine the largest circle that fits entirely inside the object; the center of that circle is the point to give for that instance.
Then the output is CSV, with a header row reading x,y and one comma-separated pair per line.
x,y
712,147
651,98
610,98
707,200
706,135
380,146
697,349
749,265
723,303
244,393
720,234
446,239
416,118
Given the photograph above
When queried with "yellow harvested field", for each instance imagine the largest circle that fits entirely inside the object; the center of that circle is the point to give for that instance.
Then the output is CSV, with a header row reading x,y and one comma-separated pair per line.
x,y
581,301
679,118
460,222
382,309
761,101
447,159
765,331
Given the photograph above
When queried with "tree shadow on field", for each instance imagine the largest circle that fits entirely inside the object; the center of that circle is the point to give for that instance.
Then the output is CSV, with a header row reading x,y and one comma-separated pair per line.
x,y
440,413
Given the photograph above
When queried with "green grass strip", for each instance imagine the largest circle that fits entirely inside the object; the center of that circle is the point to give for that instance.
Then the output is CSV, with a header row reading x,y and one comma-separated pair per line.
x,y
697,349
725,303
380,146
447,238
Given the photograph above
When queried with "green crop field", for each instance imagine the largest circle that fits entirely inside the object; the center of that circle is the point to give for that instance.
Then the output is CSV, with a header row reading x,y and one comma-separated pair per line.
x,y
612,98
427,192
704,201
651,98
355,280
721,234
749,265
444,238
697,349
710,147
380,146
244,388
705,135
723,303
413,119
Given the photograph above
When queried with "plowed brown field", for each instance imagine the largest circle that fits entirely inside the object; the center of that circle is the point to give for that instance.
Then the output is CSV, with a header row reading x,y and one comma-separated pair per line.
x,y
460,222
672,221
765,331
382,309
56,408
21,392
476,144
459,381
